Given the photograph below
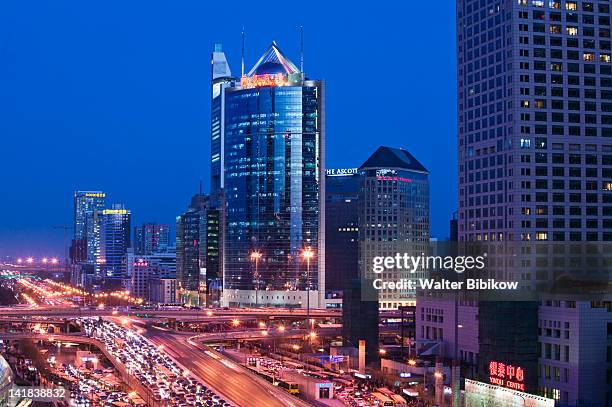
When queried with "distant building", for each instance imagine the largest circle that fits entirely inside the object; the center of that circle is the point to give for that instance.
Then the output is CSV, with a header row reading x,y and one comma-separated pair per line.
x,y
393,214
151,237
163,290
454,228
115,231
85,247
142,274
270,161
341,228
192,228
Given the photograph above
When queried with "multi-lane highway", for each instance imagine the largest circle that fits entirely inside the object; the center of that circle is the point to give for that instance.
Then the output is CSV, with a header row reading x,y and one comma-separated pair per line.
x,y
230,379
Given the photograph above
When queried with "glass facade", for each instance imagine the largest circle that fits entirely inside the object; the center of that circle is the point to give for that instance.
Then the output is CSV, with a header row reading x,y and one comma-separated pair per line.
x,y
115,230
272,186
88,205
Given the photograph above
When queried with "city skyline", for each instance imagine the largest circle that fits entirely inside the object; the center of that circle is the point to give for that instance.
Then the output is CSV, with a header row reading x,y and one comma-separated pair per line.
x,y
58,105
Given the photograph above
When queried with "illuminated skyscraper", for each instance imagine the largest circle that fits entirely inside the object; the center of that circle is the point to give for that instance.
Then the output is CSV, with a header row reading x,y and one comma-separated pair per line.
x,y
85,247
272,163
115,237
393,215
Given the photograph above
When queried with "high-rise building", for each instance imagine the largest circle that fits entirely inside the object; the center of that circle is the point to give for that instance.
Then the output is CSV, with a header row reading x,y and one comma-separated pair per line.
x,y
88,206
115,238
535,170
221,77
273,142
151,237
191,250
341,228
393,214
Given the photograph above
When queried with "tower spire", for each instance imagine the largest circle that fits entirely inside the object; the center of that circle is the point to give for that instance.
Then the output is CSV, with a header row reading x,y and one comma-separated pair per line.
x,y
302,49
242,71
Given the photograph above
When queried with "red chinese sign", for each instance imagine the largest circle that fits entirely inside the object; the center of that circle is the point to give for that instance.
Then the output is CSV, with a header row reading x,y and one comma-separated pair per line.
x,y
501,374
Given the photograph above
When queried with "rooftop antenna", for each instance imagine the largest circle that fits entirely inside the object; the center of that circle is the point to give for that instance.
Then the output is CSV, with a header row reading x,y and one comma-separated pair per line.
x,y
242,73
302,49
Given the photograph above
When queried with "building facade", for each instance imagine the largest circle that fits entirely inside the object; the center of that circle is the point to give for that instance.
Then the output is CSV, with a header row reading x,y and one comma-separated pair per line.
x,y
535,168
273,163
393,215
341,228
151,237
191,229
85,247
115,233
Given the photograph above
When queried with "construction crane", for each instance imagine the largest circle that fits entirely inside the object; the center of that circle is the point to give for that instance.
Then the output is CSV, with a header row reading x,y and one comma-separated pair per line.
x,y
65,228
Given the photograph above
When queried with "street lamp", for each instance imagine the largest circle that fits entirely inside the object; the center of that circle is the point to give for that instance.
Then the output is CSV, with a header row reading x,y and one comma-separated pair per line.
x,y
255,256
308,254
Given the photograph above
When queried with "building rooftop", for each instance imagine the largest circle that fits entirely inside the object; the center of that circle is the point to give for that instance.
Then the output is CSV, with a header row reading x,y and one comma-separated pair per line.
x,y
389,157
273,62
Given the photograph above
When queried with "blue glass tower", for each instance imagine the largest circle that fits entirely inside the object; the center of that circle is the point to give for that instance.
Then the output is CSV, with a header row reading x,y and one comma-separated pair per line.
x,y
273,184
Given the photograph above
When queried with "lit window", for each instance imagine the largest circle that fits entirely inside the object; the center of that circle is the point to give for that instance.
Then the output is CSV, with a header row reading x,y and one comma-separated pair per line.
x,y
525,103
604,57
525,143
522,2
607,186
541,236
555,29
588,56
572,30
537,3
556,66
571,5
554,4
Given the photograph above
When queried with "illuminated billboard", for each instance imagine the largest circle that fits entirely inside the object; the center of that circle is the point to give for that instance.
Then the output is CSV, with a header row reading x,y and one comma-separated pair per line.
x,y
478,394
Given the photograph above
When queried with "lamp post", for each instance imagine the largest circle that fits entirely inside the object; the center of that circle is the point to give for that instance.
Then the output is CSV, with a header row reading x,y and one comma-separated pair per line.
x,y
255,256
308,254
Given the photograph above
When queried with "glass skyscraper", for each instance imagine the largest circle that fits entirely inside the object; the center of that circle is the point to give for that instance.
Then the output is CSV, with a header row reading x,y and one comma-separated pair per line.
x,y
88,206
115,231
272,161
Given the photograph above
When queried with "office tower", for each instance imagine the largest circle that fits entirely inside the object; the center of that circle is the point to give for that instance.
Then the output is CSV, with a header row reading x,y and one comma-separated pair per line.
x,y
152,275
86,238
151,237
341,228
534,91
142,272
115,240
393,215
191,249
221,77
273,253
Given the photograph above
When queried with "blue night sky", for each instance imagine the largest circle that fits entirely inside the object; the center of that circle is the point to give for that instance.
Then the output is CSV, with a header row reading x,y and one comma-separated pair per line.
x,y
115,96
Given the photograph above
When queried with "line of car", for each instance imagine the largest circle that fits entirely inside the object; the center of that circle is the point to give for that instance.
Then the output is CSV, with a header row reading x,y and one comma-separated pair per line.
x,y
168,382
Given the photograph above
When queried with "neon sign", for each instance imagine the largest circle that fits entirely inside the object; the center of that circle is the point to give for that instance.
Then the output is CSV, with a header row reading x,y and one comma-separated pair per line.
x,y
501,374
265,80
340,172
401,179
